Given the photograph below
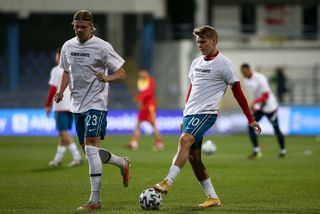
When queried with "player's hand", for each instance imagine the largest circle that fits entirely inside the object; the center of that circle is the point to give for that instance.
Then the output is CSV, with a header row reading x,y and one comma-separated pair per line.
x,y
48,110
101,77
256,126
58,97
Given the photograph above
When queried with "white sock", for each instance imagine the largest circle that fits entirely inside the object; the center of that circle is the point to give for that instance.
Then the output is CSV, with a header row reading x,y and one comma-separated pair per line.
x,y
134,144
95,171
74,151
173,173
60,153
116,160
283,151
256,149
208,188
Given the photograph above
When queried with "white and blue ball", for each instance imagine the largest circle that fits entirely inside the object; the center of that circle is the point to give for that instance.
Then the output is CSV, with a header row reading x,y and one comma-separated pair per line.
x,y
150,199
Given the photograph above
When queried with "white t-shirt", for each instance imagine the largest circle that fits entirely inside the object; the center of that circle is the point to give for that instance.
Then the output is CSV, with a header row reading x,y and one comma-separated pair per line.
x,y
258,85
55,80
82,61
209,80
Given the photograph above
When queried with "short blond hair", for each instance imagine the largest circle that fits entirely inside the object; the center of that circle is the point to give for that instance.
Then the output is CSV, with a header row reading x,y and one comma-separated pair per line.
x,y
206,32
84,15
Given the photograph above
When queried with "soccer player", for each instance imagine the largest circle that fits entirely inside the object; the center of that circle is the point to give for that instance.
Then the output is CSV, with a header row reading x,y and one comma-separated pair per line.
x,y
63,117
87,62
147,103
210,75
264,104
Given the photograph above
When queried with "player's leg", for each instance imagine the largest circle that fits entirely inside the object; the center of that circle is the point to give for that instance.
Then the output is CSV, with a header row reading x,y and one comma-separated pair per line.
x,y
135,137
202,175
254,137
158,145
62,146
179,160
68,141
273,118
193,126
158,141
95,168
123,163
94,200
92,121
107,157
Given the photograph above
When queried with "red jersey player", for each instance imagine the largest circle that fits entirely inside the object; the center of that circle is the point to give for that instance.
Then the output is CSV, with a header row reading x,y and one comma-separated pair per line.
x,y
147,112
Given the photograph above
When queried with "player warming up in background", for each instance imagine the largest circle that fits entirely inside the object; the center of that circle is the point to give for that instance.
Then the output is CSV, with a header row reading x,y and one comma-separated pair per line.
x,y
210,75
147,104
63,117
264,104
86,61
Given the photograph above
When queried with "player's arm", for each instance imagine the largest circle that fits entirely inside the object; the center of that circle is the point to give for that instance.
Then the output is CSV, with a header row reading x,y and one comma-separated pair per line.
x,y
52,91
117,76
242,101
264,86
263,98
64,83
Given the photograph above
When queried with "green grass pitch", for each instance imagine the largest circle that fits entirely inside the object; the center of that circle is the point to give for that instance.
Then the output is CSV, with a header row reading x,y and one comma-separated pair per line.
x,y
266,185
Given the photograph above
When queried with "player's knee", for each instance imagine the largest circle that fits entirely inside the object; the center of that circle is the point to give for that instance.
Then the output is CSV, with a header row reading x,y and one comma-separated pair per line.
x,y
91,141
64,136
186,140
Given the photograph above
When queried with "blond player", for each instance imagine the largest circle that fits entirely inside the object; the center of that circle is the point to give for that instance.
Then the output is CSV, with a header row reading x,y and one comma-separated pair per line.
x,y
210,75
87,61
63,117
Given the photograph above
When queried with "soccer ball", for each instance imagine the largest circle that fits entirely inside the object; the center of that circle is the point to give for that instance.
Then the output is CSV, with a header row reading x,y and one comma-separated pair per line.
x,y
150,199
209,147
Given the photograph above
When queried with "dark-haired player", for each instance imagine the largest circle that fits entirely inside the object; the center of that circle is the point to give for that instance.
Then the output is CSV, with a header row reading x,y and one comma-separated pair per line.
x,y
264,104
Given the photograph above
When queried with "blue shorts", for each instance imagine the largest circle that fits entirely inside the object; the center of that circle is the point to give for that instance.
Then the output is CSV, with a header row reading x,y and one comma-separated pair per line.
x,y
92,123
64,120
197,125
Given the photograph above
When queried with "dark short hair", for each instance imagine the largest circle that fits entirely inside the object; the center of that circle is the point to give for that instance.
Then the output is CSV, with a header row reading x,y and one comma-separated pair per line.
x,y
245,65
206,32
83,15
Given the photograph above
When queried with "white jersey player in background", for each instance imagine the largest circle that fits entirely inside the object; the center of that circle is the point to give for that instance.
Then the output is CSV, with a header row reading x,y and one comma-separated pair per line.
x,y
63,117
210,76
264,104
87,61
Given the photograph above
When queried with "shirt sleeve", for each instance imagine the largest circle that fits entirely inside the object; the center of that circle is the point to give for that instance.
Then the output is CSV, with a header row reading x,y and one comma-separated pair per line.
x,y
63,59
190,74
263,84
229,74
54,79
113,60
